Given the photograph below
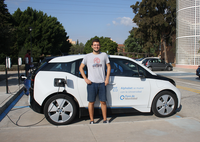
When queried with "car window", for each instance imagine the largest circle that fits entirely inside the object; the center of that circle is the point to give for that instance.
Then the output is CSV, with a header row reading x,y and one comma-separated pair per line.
x,y
155,61
122,67
142,71
144,62
85,69
150,61
160,61
63,67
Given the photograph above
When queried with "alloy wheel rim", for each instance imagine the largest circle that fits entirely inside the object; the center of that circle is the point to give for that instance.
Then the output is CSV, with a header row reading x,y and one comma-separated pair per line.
x,y
60,110
165,104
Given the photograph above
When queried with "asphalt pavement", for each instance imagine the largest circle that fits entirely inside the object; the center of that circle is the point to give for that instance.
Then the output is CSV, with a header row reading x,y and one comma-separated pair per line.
x,y
161,129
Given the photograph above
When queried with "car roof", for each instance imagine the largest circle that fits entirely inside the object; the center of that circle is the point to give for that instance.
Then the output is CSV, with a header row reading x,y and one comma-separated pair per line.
x,y
151,58
67,58
70,58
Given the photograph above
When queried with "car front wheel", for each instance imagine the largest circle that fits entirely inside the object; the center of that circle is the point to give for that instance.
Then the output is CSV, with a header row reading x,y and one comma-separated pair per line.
x,y
164,104
60,109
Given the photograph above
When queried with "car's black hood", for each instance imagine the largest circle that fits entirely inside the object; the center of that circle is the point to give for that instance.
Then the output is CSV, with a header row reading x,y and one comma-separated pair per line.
x,y
160,77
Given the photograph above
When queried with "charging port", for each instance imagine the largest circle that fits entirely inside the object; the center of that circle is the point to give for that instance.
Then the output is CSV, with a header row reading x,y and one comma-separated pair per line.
x,y
59,82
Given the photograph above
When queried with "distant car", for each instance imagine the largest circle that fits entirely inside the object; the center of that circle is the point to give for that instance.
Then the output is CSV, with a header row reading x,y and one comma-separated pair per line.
x,y
198,71
157,64
142,59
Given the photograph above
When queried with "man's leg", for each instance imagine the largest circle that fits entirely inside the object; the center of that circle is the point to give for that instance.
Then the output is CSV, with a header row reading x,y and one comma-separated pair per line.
x,y
104,110
91,110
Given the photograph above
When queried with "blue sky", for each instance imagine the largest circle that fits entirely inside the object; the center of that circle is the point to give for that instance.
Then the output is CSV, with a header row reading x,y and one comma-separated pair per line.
x,y
84,19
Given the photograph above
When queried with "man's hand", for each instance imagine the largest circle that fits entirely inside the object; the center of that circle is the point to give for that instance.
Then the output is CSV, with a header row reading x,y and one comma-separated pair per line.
x,y
88,81
106,82
108,74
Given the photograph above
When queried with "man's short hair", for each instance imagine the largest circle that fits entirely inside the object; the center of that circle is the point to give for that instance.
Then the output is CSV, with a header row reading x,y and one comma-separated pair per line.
x,y
95,40
28,50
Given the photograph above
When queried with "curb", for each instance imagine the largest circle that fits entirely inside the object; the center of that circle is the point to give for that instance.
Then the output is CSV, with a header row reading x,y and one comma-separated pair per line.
x,y
9,102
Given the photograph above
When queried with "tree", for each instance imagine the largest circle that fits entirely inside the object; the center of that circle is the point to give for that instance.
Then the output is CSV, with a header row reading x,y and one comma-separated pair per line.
x,y
48,35
107,45
76,49
6,32
132,44
156,22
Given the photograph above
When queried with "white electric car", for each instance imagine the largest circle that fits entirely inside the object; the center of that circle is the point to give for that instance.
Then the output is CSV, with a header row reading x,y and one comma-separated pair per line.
x,y
59,91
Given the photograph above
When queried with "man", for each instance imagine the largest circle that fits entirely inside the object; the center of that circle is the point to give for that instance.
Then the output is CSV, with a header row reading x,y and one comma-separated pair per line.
x,y
96,81
27,59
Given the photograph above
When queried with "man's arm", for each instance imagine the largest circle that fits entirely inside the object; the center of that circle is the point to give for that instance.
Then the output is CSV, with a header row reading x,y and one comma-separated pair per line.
x,y
108,74
83,74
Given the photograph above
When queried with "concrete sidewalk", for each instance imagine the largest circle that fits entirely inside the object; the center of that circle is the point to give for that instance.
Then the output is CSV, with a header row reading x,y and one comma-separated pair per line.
x,y
165,130
161,129
14,88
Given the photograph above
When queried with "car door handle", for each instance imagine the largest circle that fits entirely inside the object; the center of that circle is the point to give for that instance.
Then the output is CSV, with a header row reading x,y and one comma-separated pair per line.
x,y
111,83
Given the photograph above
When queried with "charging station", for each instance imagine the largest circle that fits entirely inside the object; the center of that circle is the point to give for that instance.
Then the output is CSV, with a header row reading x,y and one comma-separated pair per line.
x,y
8,63
19,64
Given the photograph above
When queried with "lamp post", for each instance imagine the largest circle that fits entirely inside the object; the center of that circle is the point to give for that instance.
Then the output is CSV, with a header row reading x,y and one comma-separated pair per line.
x,y
30,28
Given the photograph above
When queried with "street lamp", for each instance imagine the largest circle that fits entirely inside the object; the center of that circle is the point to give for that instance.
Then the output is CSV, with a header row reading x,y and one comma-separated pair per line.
x,y
30,29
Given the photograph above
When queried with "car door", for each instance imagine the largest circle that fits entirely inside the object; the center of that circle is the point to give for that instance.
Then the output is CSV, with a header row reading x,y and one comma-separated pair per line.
x,y
161,64
126,87
82,89
155,64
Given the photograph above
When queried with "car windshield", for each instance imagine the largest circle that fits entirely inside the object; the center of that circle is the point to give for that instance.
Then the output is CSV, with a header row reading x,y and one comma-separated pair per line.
x,y
140,59
144,62
42,64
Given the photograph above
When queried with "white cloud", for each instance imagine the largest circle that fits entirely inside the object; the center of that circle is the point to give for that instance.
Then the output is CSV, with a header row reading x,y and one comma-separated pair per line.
x,y
108,24
127,21
114,22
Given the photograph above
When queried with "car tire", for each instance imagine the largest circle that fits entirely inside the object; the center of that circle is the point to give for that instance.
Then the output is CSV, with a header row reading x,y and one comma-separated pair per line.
x,y
150,68
164,104
169,68
60,109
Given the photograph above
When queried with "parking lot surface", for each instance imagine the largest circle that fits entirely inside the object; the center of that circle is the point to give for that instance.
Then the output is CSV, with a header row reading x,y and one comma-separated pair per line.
x,y
23,124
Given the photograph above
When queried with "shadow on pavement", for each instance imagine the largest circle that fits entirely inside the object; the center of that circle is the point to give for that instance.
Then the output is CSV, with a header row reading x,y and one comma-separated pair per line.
x,y
12,79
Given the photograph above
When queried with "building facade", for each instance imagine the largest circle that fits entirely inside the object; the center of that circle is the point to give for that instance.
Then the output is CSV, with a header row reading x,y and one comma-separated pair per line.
x,y
188,33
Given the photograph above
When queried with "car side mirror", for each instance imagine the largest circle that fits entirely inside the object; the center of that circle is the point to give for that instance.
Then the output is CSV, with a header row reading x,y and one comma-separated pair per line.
x,y
142,76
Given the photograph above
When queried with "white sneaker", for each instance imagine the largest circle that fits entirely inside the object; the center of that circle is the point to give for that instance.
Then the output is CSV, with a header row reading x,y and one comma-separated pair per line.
x,y
106,121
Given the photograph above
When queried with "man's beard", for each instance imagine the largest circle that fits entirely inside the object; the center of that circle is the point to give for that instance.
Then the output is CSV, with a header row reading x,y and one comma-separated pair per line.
x,y
96,51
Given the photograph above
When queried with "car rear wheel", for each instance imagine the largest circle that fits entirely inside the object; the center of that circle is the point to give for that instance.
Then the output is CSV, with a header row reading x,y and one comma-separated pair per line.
x,y
60,109
164,104
150,68
169,68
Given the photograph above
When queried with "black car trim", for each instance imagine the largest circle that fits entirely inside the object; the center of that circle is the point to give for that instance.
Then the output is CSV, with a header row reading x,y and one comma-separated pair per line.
x,y
83,111
160,77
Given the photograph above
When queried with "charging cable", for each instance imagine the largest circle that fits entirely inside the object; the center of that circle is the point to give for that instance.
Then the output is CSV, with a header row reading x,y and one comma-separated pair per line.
x,y
16,124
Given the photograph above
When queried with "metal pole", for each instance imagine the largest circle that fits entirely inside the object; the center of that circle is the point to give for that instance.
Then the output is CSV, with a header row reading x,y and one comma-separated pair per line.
x,y
6,81
18,75
31,42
